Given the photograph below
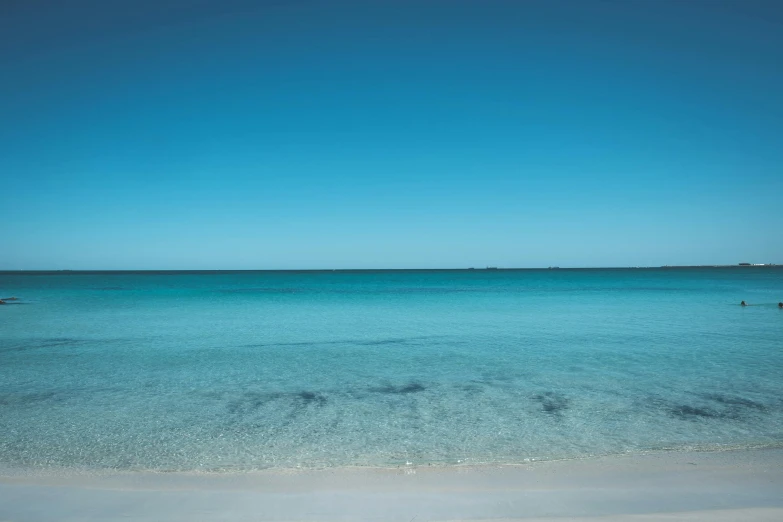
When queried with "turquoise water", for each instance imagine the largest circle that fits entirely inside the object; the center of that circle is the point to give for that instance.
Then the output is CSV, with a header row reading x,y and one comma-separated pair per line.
x,y
248,370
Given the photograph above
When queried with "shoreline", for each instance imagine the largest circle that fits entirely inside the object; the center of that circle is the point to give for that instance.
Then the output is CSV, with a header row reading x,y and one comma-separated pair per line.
x,y
54,472
7,471
694,485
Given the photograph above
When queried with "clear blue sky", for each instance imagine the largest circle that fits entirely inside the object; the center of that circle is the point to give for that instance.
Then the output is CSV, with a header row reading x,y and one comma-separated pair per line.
x,y
300,134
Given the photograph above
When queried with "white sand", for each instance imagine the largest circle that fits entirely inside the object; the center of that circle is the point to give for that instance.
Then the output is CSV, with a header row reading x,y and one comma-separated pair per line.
x,y
721,486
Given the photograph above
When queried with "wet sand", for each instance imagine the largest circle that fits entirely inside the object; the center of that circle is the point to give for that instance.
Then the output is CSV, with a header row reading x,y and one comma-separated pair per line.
x,y
729,485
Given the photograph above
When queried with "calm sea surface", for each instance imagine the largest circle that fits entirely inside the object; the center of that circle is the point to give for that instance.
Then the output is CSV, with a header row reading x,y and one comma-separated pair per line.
x,y
248,370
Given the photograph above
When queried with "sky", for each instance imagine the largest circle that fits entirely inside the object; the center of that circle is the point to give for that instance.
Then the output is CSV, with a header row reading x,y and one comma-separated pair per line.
x,y
240,134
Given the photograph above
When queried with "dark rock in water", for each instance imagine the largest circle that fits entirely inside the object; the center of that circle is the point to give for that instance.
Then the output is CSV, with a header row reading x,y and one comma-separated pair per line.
x,y
689,412
552,402
413,387
308,397
736,402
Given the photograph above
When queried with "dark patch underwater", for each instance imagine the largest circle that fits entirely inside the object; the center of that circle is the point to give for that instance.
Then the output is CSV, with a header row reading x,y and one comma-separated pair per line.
x,y
411,387
711,406
552,402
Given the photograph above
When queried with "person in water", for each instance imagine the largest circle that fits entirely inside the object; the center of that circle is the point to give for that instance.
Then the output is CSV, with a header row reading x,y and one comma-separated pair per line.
x,y
780,305
743,303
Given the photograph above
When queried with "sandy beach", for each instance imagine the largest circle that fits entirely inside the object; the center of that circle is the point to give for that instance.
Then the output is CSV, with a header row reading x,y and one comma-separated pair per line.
x,y
729,485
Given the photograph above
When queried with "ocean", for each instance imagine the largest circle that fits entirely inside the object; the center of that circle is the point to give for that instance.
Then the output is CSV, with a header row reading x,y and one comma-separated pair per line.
x,y
237,371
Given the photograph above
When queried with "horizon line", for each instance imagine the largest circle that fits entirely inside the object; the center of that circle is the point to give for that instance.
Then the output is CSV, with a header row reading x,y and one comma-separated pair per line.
x,y
465,269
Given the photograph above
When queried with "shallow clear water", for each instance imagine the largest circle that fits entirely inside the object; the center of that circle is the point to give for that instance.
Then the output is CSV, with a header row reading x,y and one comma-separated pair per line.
x,y
247,370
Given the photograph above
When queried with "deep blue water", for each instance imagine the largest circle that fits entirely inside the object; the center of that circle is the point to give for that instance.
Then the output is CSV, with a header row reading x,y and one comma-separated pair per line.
x,y
247,370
